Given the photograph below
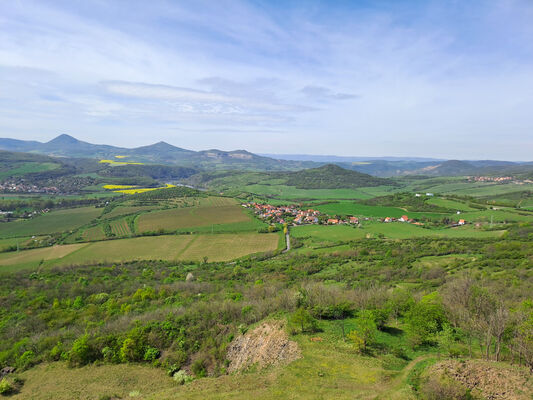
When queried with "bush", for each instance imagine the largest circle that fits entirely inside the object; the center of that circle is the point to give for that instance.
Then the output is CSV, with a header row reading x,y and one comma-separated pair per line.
x,y
6,387
181,377
81,352
151,354
26,360
304,320
55,353
198,368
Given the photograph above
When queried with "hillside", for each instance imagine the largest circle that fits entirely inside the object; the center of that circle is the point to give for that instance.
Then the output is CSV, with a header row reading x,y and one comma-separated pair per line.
x,y
332,176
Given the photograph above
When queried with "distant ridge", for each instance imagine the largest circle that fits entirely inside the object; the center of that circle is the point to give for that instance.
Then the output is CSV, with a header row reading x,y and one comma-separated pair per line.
x,y
65,145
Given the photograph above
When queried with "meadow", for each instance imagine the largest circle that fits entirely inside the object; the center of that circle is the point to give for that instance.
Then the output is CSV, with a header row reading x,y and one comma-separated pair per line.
x,y
211,211
293,193
393,230
217,247
51,222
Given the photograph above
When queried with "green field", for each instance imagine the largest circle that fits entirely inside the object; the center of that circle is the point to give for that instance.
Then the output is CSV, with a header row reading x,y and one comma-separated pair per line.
x,y
451,204
126,210
212,211
293,193
218,247
28,168
52,222
120,228
93,233
394,230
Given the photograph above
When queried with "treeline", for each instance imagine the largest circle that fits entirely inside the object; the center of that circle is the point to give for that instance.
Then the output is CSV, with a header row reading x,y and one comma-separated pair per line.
x,y
41,204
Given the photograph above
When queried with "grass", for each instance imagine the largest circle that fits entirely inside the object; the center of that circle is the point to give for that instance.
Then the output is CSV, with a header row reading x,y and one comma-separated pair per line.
x,y
395,230
329,368
52,222
127,210
58,382
351,208
218,247
211,211
36,257
28,168
120,228
293,193
93,233
450,204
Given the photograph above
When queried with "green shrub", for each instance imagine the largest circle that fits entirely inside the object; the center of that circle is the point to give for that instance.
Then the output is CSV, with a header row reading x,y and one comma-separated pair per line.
x,y
26,360
302,319
6,387
198,367
81,352
151,354
56,351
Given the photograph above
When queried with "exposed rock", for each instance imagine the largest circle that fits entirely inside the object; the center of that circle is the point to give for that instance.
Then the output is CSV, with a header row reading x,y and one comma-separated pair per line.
x,y
189,277
266,345
6,371
494,381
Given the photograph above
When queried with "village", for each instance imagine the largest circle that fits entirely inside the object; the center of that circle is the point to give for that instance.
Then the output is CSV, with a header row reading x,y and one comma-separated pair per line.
x,y
499,179
295,215
19,186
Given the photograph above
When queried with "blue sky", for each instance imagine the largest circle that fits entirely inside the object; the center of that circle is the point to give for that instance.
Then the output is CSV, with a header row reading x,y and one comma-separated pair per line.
x,y
451,79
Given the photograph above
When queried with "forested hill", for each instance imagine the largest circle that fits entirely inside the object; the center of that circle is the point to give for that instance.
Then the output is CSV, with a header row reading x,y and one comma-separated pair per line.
x,y
331,176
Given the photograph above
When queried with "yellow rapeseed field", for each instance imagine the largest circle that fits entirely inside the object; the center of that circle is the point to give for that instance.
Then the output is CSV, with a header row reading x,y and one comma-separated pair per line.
x,y
114,187
142,190
113,162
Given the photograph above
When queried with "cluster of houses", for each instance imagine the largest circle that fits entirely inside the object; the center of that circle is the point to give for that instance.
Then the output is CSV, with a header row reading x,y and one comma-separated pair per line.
x,y
295,215
499,179
283,214
23,187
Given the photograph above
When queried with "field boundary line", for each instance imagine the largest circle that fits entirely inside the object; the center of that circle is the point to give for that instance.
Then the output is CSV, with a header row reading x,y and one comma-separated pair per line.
x,y
194,239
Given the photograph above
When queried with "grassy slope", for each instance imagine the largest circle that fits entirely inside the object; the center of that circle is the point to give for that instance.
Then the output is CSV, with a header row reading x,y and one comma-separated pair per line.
x,y
329,368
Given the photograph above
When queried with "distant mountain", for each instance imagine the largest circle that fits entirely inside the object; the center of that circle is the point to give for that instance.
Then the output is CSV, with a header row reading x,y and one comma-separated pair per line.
x,y
158,153
448,168
66,146
344,159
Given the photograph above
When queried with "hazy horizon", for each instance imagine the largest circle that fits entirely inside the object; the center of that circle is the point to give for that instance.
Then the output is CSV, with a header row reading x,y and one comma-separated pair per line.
x,y
447,80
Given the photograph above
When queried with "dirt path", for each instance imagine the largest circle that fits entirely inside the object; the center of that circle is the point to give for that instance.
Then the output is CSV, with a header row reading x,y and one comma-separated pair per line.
x,y
399,381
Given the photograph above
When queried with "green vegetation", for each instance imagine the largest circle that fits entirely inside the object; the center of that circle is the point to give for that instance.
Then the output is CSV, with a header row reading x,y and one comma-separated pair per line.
x,y
51,222
108,294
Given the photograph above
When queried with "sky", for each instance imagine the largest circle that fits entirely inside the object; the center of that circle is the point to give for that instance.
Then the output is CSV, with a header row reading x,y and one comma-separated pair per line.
x,y
446,79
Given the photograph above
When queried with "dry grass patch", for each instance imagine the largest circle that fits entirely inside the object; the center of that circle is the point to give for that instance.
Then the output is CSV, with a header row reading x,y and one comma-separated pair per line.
x,y
44,253
57,382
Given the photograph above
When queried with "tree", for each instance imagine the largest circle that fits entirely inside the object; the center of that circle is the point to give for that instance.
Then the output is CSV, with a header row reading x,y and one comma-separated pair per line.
x,y
523,333
365,332
425,319
302,318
